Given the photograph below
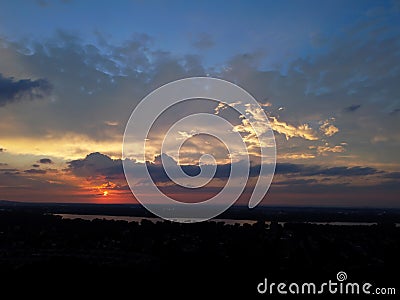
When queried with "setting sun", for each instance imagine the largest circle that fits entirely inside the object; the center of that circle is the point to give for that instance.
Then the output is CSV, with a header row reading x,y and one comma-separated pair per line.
x,y
105,193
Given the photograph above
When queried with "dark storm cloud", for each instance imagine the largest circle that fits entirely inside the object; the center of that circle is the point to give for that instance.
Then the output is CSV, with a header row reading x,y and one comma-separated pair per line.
x,y
352,108
35,171
12,90
223,171
45,161
35,165
98,164
95,164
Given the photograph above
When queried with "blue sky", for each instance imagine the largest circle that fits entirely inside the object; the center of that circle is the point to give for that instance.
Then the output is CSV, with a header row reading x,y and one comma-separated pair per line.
x,y
283,30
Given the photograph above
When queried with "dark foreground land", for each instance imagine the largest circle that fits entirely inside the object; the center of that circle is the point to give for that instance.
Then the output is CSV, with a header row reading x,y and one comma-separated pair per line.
x,y
41,252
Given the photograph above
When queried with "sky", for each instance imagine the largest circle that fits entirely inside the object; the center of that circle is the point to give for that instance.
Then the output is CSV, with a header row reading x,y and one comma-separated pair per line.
x,y
326,73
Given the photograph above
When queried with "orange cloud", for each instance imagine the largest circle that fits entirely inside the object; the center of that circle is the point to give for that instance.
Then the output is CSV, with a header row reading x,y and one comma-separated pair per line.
x,y
323,150
328,129
297,156
290,131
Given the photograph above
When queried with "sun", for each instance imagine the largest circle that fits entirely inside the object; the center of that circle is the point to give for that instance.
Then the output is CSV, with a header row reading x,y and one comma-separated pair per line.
x,y
105,193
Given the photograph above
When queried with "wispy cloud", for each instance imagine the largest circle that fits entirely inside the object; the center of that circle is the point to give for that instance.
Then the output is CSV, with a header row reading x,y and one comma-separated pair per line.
x,y
303,131
327,148
111,123
296,156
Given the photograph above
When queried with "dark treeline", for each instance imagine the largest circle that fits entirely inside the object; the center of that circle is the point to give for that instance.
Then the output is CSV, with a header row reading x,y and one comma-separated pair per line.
x,y
169,258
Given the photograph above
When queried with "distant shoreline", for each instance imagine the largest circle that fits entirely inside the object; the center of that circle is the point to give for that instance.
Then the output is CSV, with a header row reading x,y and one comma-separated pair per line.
x,y
260,213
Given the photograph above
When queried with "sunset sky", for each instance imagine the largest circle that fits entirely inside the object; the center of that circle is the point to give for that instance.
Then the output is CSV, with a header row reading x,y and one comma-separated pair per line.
x,y
326,73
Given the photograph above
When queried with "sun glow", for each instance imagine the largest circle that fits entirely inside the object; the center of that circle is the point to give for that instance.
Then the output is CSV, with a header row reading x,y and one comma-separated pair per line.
x,y
105,193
